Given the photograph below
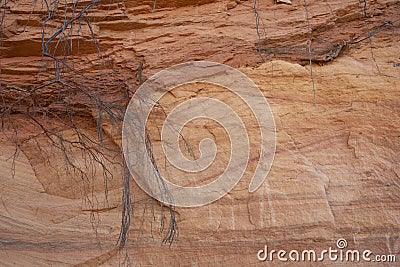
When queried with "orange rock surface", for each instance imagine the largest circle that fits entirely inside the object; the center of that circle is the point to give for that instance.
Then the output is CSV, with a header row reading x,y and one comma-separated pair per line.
x,y
336,172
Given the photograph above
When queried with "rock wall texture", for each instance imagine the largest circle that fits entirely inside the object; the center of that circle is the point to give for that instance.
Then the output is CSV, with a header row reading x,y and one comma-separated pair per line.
x,y
336,172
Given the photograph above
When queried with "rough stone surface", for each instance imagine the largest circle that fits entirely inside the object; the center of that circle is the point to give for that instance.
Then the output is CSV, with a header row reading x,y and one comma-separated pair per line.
x,y
336,172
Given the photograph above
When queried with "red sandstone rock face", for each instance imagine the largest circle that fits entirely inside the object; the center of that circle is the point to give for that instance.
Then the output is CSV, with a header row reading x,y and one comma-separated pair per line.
x,y
336,169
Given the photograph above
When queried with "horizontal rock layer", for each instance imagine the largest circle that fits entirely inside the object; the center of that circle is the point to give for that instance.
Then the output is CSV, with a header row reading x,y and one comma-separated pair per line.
x,y
336,172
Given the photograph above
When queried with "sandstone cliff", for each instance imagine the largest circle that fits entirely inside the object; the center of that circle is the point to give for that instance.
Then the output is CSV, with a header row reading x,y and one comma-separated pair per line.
x,y
336,172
